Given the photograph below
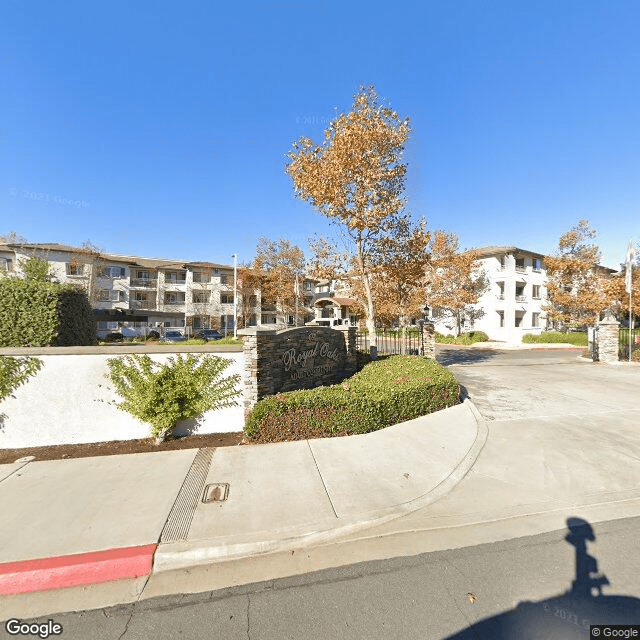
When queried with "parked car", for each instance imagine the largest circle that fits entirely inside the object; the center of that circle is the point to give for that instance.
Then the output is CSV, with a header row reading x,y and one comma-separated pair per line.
x,y
173,336
208,334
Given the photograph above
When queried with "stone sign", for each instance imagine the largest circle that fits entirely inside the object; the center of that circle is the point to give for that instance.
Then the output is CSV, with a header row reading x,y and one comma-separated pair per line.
x,y
301,358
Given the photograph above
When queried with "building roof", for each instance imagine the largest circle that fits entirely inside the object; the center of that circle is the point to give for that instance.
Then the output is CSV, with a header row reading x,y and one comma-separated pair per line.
x,y
138,261
485,252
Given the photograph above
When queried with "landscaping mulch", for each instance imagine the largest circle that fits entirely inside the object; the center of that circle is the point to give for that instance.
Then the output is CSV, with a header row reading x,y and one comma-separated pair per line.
x,y
119,447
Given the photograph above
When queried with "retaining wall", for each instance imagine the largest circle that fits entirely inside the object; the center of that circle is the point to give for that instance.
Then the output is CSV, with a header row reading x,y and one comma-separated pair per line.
x,y
69,401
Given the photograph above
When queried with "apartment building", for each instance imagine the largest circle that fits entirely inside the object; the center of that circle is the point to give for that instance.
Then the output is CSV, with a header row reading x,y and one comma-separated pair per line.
x,y
513,303
133,295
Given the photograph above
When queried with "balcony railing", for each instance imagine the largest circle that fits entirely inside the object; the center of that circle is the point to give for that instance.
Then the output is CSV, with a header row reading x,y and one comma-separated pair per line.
x,y
521,298
142,304
173,281
174,303
146,283
520,268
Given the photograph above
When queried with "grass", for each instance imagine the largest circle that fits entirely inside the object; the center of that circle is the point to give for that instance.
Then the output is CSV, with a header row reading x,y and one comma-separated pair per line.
x,y
578,339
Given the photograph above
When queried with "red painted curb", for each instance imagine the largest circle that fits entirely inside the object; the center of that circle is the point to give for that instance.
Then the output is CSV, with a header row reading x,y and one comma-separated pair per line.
x,y
75,570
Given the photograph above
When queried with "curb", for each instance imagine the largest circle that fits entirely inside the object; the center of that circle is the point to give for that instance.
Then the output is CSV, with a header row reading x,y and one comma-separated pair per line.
x,y
75,570
170,558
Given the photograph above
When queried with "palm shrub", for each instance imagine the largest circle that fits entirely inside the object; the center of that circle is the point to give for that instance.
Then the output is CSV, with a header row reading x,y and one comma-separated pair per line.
x,y
165,394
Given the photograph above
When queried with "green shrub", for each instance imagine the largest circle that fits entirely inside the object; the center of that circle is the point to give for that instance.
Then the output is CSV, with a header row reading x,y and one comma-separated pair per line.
x,y
464,338
384,392
36,314
165,394
547,337
14,372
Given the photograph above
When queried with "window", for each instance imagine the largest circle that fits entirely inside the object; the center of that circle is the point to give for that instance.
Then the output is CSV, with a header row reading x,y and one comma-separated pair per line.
x,y
501,318
503,262
216,272
200,297
143,275
537,264
308,286
520,264
140,297
291,320
265,319
518,319
105,326
201,276
226,321
111,272
519,292
224,279
174,298
535,320
110,295
5,264
175,277
500,290
74,269
226,298
536,291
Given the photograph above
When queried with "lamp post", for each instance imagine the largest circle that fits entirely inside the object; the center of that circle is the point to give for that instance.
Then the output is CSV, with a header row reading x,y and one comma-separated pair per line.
x,y
235,296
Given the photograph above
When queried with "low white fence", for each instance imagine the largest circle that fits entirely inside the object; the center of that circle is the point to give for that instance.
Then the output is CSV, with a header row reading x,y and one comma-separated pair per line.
x,y
70,401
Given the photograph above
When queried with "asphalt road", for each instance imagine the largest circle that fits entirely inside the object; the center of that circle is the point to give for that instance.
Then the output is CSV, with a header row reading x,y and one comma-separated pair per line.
x,y
529,384
543,586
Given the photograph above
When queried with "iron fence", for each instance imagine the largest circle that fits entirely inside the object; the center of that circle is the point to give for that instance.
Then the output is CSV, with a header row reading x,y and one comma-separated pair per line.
x,y
393,341
629,339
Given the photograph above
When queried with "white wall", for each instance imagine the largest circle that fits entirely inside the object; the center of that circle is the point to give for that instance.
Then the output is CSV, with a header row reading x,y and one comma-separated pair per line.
x,y
68,402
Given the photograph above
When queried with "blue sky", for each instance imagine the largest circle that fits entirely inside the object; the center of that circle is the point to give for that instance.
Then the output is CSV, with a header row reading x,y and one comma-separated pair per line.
x,y
161,129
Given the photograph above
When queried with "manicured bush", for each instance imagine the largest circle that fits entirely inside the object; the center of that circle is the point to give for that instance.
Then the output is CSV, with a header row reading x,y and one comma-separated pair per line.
x,y
114,336
549,337
36,314
14,372
165,394
464,338
384,392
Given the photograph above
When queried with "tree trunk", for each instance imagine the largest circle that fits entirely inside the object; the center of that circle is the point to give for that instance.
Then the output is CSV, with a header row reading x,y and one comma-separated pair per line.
x,y
369,307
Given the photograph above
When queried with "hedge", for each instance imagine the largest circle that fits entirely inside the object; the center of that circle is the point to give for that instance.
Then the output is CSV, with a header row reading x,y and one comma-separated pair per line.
x,y
464,338
36,314
577,338
383,393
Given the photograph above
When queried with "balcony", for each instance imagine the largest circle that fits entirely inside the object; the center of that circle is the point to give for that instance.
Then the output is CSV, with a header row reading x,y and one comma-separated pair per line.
x,y
521,298
520,268
175,281
143,283
142,304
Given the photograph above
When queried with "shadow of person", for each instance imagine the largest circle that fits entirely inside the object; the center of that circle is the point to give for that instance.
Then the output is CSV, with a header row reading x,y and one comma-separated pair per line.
x,y
567,616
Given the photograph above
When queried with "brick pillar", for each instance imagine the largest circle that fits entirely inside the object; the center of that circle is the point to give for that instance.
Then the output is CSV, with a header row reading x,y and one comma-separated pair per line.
x,y
255,341
429,340
607,338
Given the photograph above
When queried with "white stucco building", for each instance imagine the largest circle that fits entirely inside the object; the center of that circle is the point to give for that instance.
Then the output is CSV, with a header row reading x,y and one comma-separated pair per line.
x,y
513,303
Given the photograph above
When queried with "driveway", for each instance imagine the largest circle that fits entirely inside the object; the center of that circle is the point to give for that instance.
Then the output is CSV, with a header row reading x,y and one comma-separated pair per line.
x,y
529,384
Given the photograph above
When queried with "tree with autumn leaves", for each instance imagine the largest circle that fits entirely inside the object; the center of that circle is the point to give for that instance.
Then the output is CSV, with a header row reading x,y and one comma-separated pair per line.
x,y
579,290
453,280
356,178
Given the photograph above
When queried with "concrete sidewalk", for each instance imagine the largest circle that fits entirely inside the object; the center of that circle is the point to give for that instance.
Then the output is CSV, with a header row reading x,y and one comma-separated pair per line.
x,y
103,521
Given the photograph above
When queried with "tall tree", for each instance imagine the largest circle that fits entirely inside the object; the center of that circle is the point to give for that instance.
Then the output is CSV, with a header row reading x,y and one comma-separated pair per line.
x,y
280,265
249,282
577,288
454,281
400,262
355,178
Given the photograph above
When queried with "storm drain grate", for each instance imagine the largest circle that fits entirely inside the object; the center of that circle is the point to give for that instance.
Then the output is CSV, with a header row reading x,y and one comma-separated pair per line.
x,y
217,492
179,520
